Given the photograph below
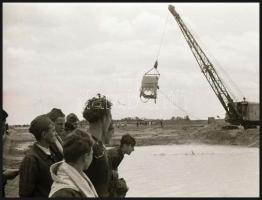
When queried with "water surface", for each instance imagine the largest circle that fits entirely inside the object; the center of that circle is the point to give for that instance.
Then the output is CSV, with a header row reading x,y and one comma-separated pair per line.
x,y
192,171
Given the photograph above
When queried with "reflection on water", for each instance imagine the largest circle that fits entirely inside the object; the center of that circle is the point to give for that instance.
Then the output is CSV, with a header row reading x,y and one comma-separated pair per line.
x,y
192,171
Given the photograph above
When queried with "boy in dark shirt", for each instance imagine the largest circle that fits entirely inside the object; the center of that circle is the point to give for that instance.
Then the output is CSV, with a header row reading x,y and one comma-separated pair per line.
x,y
35,177
98,113
116,155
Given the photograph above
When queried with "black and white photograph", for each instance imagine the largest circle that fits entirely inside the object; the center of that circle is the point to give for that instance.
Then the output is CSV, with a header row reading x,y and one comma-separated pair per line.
x,y
125,100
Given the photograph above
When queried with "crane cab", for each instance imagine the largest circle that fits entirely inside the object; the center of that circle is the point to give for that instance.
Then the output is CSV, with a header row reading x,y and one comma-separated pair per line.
x,y
248,110
249,114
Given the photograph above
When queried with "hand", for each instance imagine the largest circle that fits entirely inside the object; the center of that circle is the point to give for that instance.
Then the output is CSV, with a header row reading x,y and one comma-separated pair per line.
x,y
11,173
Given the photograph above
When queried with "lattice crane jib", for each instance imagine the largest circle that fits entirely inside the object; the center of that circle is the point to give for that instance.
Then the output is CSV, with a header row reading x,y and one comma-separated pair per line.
x,y
207,69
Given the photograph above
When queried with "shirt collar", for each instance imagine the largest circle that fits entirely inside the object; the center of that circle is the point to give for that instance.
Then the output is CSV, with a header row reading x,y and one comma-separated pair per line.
x,y
44,149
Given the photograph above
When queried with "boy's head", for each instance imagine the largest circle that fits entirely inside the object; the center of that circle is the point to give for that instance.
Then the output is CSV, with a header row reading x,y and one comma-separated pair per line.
x,y
77,148
72,119
43,129
98,110
71,122
58,117
127,144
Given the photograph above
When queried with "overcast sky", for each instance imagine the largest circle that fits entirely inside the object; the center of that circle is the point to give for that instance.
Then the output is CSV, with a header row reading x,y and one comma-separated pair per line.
x,y
61,54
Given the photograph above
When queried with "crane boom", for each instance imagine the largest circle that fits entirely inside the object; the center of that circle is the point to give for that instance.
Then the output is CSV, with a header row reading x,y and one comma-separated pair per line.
x,y
208,70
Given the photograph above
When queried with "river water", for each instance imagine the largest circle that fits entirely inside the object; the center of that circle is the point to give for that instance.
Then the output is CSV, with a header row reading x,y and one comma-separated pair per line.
x,y
192,171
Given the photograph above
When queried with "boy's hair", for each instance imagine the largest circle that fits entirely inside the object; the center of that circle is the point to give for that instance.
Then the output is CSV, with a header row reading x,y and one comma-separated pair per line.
x,y
55,113
96,108
38,125
76,144
69,126
71,118
128,140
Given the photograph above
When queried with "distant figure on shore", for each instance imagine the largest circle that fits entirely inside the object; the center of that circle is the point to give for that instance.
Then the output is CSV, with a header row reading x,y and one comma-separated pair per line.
x,y
98,113
35,177
71,123
161,123
116,155
69,179
7,174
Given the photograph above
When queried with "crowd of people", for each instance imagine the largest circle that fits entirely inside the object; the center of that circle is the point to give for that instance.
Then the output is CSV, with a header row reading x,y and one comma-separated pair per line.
x,y
67,161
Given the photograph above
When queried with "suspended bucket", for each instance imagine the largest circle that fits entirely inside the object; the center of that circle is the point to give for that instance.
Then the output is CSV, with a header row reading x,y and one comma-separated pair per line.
x,y
149,84
149,87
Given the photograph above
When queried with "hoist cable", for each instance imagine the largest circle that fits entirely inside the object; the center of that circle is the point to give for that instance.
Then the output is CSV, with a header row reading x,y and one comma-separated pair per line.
x,y
162,37
178,106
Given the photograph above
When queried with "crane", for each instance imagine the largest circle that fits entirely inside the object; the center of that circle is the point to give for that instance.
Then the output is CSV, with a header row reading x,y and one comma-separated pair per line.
x,y
237,113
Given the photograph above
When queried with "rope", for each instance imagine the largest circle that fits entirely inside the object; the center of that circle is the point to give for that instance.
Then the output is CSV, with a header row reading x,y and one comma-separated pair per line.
x,y
158,52
160,46
147,73
163,33
178,106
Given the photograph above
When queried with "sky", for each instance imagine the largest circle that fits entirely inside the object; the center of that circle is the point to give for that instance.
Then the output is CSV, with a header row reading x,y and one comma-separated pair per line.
x,y
58,55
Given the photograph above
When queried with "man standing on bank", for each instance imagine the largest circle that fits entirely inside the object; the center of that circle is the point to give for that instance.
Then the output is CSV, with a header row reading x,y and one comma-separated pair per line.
x,y
35,177
58,118
98,113
116,155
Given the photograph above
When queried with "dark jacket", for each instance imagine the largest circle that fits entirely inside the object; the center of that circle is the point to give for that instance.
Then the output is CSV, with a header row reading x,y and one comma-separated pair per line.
x,y
55,149
100,170
3,184
35,177
67,193
116,156
118,187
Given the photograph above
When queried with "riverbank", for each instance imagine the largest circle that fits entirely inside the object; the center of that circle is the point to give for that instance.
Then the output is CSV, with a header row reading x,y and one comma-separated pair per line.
x,y
187,134
181,133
